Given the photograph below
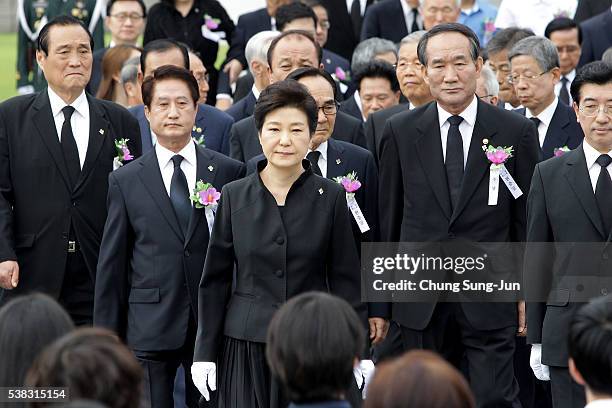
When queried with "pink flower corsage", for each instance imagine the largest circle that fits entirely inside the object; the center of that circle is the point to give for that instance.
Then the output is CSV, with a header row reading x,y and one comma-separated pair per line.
x,y
205,195
349,182
211,23
560,151
123,153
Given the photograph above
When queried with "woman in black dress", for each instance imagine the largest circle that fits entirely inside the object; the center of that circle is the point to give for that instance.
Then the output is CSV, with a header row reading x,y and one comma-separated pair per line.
x,y
287,231
200,24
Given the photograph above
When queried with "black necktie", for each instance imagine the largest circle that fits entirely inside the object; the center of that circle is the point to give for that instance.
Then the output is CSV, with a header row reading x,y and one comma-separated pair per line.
x,y
415,26
69,147
356,17
179,194
454,159
313,158
563,94
536,122
603,192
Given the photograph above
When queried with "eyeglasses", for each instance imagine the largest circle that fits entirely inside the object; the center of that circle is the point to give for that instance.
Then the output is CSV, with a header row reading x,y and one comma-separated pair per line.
x,y
444,10
485,96
122,17
514,79
591,111
324,24
201,77
329,109
404,65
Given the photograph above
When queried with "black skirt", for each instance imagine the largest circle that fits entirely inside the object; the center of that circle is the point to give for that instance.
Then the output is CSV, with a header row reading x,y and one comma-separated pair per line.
x,y
244,378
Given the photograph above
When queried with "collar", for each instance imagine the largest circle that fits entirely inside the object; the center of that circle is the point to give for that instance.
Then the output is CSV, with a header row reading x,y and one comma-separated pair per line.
x,y
358,102
164,155
546,115
273,24
327,404
406,8
57,104
475,9
600,403
111,44
255,92
468,114
261,164
321,148
508,106
591,154
570,76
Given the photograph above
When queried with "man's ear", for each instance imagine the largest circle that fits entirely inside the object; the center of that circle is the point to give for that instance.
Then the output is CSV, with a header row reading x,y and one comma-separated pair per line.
x,y
40,57
494,100
576,110
575,373
147,113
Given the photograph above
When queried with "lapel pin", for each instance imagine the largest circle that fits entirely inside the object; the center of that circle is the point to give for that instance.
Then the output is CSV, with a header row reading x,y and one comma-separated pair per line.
x,y
194,128
485,141
328,61
199,130
338,161
320,191
101,131
210,168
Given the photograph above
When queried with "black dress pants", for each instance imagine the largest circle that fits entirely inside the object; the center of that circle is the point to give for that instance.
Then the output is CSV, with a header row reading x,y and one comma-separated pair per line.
x,y
77,294
566,393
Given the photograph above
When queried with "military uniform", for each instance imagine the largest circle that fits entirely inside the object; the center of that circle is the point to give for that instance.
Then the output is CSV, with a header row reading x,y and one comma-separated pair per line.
x,y
32,16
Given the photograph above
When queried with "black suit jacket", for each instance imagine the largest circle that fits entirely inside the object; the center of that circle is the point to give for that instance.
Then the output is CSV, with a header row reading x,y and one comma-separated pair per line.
x,y
96,71
562,208
596,37
563,130
415,198
244,141
590,8
248,25
37,206
349,106
375,125
274,261
210,122
243,108
149,271
385,20
331,61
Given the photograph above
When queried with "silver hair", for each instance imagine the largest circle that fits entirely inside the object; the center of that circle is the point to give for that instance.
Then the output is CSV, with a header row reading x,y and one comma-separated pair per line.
x,y
607,56
412,38
490,81
257,47
368,49
422,2
540,48
129,70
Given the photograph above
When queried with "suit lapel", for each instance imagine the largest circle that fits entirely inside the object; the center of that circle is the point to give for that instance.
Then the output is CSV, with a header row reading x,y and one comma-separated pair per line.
x,y
44,123
206,171
429,149
556,136
336,161
200,124
150,174
578,178
99,130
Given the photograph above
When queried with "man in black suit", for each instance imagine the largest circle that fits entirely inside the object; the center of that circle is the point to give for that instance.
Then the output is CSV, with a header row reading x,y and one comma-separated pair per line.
x,y
154,228
211,125
57,148
412,86
570,201
434,187
289,51
534,74
590,8
596,37
393,19
125,21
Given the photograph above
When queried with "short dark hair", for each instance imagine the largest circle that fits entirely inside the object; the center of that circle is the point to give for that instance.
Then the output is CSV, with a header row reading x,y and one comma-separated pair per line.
x,y
596,72
449,28
312,343
288,33
314,72
419,378
27,325
378,69
110,4
315,3
562,24
293,11
162,45
590,344
166,72
506,38
286,94
42,43
93,364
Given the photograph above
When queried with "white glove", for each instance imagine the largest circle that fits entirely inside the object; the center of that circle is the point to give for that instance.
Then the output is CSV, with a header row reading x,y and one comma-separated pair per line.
x,y
363,373
203,373
25,90
540,370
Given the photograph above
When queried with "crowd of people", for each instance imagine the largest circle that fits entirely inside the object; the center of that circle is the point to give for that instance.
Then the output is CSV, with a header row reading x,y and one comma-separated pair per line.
x,y
181,231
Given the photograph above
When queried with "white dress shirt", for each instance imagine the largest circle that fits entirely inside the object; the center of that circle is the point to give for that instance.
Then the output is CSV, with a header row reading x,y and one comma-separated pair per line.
x,y
466,127
188,165
359,105
255,92
409,16
591,155
600,403
362,5
533,14
509,107
545,118
322,158
79,120
570,77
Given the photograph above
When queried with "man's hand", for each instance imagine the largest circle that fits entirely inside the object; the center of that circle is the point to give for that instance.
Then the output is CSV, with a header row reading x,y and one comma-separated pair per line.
x,y
233,69
9,274
378,329
203,373
540,370
522,323
223,104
